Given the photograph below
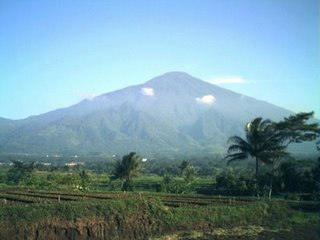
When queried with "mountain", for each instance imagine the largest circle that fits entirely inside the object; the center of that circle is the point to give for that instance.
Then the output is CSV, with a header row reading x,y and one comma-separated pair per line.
x,y
172,113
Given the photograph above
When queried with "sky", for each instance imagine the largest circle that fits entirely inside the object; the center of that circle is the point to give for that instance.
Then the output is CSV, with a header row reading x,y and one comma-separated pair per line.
x,y
55,53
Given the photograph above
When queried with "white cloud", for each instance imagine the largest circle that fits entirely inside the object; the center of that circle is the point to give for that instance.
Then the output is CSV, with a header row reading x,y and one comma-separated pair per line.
x,y
147,91
88,95
206,99
228,80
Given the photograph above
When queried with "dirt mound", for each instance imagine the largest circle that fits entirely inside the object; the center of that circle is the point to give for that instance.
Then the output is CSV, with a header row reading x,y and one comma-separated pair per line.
x,y
136,226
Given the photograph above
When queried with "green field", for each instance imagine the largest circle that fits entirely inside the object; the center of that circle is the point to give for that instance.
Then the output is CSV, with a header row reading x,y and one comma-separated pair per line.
x,y
169,212
86,201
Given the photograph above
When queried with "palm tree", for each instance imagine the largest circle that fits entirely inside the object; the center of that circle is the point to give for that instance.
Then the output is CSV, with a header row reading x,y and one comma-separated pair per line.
x,y
127,169
259,144
267,141
253,145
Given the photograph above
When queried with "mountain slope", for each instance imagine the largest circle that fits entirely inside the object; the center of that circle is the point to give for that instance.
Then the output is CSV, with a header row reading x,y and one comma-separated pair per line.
x,y
172,113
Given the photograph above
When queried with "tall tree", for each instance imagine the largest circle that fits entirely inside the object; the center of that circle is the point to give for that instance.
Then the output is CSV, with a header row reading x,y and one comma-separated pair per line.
x,y
296,129
316,174
183,167
293,129
258,143
126,169
85,179
267,141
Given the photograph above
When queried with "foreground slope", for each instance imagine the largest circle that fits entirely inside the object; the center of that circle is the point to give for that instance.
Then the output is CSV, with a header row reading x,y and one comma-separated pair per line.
x,y
122,216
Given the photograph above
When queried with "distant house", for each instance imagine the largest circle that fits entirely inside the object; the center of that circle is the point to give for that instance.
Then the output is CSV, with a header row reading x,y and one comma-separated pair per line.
x,y
71,164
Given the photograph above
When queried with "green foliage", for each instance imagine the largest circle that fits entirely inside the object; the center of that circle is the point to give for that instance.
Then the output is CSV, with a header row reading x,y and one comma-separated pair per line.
x,y
39,181
126,169
296,129
20,171
258,144
298,178
259,213
235,182
171,185
65,210
189,174
183,167
267,141
167,218
316,177
85,179
290,176
316,174
187,171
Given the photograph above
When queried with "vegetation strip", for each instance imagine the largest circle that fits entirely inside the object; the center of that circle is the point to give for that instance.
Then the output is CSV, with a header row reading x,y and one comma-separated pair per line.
x,y
168,200
16,199
152,214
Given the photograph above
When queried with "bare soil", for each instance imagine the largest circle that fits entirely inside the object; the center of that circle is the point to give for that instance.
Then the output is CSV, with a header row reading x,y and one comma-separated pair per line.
x,y
248,233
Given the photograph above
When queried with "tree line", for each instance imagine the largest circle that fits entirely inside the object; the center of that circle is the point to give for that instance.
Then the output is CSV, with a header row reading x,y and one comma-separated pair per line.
x,y
265,143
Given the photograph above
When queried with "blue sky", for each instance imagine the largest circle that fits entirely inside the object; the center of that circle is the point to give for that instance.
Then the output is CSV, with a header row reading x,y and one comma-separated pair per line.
x,y
55,53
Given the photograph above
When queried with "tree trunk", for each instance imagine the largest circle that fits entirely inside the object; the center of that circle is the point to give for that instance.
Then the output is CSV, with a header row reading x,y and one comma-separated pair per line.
x,y
271,179
257,177
270,187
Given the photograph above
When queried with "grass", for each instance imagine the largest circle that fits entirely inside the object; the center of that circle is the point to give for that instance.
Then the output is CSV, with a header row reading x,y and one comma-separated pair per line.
x,y
261,212
67,210
148,215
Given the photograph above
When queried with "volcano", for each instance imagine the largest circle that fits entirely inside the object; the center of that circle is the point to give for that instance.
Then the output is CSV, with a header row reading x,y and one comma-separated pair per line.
x,y
170,114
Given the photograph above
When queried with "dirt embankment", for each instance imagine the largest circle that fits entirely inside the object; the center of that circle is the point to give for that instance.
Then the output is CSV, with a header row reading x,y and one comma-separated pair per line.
x,y
143,219
136,226
140,226
247,233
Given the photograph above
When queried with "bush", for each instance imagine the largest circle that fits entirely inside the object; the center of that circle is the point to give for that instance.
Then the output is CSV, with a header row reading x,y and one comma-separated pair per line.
x,y
237,183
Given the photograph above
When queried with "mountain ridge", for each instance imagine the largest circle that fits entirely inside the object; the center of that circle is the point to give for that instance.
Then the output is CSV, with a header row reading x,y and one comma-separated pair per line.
x,y
171,113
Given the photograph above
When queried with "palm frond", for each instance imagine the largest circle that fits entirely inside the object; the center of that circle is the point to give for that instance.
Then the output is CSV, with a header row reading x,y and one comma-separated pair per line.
x,y
238,148
236,157
236,140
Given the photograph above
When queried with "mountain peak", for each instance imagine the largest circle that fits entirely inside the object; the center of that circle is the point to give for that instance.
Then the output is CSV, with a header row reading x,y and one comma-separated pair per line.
x,y
174,79
175,74
171,113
